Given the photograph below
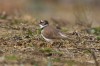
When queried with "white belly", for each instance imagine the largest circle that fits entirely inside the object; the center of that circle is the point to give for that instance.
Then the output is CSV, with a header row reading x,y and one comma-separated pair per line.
x,y
49,40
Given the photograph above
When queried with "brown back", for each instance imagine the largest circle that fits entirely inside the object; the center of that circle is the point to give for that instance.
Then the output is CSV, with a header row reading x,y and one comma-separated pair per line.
x,y
51,33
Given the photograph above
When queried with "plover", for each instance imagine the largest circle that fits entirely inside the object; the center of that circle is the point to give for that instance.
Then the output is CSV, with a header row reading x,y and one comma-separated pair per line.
x,y
50,33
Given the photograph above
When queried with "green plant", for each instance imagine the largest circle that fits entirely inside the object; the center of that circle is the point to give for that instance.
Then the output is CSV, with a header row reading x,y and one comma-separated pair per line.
x,y
12,57
98,37
86,51
48,50
96,30
49,62
29,32
57,52
70,62
56,59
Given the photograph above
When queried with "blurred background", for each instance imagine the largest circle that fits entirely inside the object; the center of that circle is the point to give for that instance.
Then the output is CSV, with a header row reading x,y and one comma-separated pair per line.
x,y
21,42
57,11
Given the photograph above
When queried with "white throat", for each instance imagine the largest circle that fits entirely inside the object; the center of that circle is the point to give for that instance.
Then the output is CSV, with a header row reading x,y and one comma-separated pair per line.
x,y
41,26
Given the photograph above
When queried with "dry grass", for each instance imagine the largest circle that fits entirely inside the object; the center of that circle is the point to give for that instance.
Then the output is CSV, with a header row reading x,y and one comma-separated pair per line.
x,y
21,44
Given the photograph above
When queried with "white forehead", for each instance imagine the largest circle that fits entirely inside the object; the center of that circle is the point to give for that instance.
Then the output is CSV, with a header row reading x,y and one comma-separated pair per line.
x,y
41,21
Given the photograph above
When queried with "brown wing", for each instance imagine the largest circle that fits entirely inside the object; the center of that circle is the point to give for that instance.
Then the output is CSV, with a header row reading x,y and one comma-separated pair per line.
x,y
51,33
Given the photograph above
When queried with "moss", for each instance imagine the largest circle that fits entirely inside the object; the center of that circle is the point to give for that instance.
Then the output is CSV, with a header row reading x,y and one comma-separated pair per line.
x,y
97,30
15,22
12,57
86,51
48,50
29,33
57,52
38,31
70,62
49,62
64,29
98,37
56,59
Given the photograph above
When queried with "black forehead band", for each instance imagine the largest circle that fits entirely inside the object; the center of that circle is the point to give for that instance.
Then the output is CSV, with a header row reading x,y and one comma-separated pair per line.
x,y
44,21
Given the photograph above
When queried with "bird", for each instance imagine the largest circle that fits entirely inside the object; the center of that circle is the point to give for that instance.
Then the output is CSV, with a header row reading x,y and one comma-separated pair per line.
x,y
50,33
